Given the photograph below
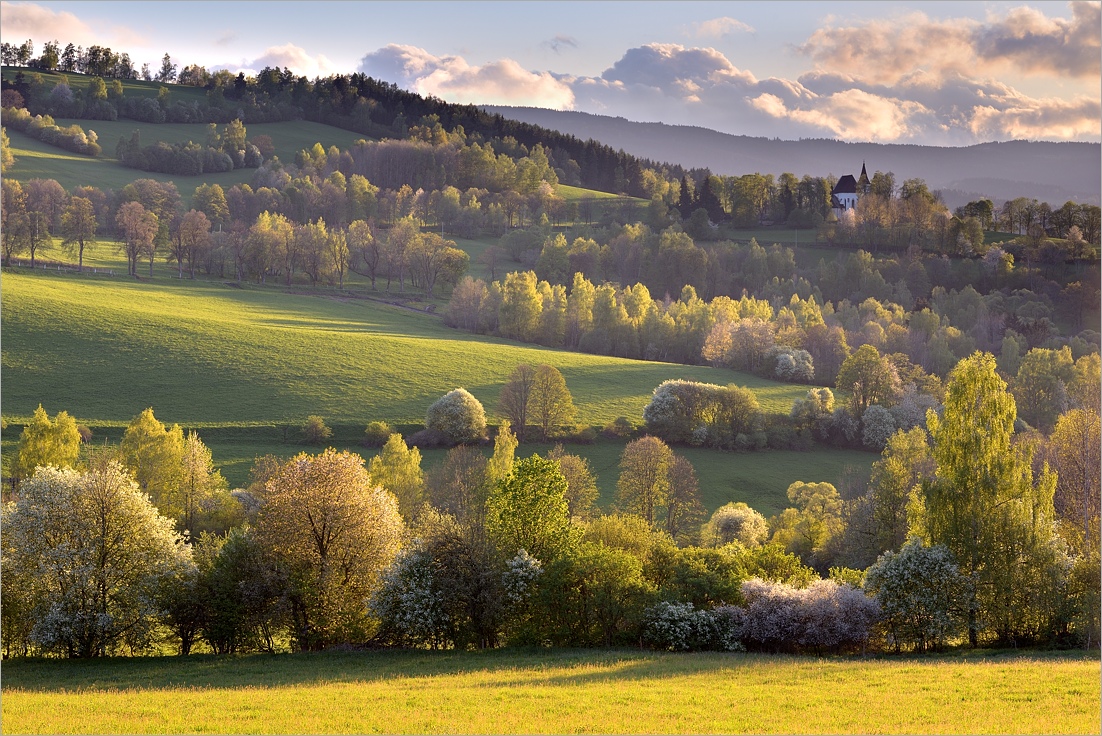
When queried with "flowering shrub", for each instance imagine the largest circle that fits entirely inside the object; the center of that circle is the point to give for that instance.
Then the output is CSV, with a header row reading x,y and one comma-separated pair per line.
x,y
410,604
680,627
825,615
916,587
520,577
458,415
878,425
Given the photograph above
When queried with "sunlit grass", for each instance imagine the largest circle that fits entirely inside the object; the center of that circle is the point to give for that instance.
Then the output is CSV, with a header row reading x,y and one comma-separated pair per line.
x,y
556,692
245,366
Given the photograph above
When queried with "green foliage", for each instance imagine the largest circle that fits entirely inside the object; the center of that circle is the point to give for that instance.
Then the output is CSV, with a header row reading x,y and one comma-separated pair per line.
x,y
592,596
528,511
808,529
153,453
644,484
315,431
44,442
987,508
397,468
869,379
377,434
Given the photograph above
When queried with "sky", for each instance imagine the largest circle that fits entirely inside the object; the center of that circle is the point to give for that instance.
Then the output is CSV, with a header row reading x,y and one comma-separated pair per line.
x,y
936,73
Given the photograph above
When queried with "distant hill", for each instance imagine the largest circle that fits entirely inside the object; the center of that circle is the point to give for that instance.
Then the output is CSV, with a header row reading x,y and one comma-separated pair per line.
x,y
1049,172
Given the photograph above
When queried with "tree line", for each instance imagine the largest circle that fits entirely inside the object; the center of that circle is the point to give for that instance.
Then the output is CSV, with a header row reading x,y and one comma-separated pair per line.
x,y
959,535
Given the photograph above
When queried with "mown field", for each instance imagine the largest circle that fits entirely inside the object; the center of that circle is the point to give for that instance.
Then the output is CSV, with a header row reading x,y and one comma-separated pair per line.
x,y
556,691
246,365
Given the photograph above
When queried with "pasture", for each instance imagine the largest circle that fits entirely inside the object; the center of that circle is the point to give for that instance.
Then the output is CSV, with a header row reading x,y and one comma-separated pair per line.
x,y
245,366
37,160
556,691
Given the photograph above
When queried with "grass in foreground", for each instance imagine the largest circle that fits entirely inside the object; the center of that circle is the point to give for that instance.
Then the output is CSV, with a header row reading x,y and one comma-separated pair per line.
x,y
556,691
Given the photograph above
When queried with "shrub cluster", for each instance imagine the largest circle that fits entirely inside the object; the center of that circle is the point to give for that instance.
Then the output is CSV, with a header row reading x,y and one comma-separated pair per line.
x,y
823,616
185,159
688,412
680,627
42,127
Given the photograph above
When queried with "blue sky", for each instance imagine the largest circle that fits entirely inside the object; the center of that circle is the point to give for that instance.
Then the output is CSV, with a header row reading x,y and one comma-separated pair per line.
x,y
913,72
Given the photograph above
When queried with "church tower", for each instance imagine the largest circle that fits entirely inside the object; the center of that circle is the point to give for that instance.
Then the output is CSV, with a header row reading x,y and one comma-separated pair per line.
x,y
863,183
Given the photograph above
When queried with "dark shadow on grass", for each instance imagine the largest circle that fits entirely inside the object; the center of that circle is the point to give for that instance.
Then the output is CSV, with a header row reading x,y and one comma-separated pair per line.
x,y
281,670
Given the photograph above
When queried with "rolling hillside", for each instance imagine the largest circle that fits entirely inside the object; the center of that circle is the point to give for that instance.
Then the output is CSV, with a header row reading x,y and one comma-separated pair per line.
x,y
1052,172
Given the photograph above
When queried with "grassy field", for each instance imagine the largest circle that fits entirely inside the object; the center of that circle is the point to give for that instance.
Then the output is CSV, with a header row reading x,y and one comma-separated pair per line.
x,y
34,159
245,366
556,691
130,87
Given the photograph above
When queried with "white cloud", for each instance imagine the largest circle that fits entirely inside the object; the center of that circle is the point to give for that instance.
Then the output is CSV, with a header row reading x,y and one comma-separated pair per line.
x,y
874,93
451,78
296,59
719,27
25,20
1025,40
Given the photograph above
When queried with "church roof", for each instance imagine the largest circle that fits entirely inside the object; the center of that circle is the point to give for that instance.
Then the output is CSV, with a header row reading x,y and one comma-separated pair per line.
x,y
846,185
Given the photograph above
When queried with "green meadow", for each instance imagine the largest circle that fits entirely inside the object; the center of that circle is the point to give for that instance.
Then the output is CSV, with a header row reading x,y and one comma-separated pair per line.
x,y
34,159
556,691
245,365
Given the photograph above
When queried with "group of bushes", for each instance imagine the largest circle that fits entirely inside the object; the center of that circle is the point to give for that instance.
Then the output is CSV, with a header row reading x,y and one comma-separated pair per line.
x,y
42,127
692,413
186,159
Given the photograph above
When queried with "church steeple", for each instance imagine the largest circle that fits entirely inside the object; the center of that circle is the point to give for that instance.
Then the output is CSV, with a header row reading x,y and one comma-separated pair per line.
x,y
863,184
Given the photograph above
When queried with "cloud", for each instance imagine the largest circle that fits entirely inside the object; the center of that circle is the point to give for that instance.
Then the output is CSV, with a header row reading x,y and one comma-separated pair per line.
x,y
665,65
289,56
225,39
719,27
26,20
700,86
296,59
1025,40
684,85
402,65
451,78
560,42
1037,44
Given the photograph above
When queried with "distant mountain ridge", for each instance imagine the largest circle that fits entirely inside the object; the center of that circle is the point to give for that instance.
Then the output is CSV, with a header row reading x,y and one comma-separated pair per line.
x,y
1049,172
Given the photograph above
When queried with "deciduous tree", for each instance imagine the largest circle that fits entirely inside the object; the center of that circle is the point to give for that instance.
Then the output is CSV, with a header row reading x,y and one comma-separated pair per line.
x,y
44,442
78,227
551,405
644,483
334,531
986,506
397,468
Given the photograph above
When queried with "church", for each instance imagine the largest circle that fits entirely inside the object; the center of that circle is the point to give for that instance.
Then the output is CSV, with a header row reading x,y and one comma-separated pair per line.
x,y
845,193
